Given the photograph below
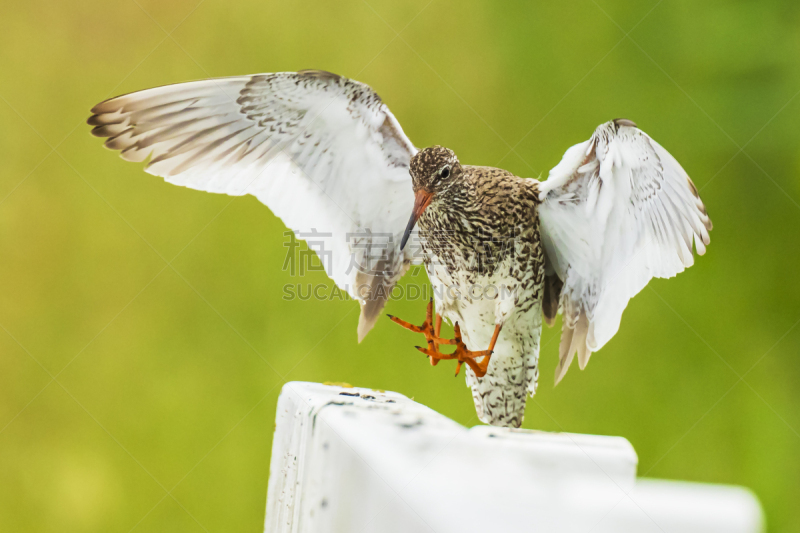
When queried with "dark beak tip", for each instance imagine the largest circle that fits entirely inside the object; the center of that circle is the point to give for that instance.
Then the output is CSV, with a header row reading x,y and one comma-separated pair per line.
x,y
407,233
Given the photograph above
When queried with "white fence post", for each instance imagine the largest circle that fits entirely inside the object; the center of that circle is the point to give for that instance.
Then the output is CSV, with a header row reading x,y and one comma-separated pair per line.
x,y
355,460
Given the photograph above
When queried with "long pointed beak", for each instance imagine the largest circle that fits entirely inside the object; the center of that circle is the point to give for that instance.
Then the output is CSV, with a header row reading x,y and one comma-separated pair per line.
x,y
421,200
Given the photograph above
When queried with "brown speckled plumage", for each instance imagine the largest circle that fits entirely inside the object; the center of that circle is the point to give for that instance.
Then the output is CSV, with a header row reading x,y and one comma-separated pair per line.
x,y
480,231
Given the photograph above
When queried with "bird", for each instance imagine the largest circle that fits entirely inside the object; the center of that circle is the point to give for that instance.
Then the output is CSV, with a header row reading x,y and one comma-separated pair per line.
x,y
504,254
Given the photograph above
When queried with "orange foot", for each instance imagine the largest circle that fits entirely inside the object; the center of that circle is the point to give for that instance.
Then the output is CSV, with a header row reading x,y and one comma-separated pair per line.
x,y
428,328
462,354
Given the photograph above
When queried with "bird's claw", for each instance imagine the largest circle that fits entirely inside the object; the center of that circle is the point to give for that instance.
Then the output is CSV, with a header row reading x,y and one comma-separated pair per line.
x,y
462,354
428,328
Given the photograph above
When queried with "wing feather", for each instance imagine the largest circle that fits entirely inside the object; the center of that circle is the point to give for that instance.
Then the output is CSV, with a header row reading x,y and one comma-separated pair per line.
x,y
617,211
324,153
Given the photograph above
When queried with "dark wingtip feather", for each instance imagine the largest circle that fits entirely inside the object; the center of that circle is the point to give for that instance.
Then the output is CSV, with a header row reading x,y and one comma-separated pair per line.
x,y
100,112
104,130
104,107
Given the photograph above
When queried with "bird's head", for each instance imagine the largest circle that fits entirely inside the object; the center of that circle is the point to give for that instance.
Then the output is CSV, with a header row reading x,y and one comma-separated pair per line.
x,y
433,170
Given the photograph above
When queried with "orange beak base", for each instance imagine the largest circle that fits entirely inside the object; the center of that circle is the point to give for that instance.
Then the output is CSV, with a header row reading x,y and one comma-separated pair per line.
x,y
421,201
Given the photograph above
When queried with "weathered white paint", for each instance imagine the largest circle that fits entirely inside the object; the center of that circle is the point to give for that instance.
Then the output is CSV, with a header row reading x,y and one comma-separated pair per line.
x,y
350,460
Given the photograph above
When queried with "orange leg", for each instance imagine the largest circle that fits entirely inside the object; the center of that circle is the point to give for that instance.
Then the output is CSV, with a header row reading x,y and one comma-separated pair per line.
x,y
436,333
428,328
463,354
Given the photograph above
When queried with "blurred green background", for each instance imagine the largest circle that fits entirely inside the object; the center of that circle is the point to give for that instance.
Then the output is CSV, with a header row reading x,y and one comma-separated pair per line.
x,y
143,337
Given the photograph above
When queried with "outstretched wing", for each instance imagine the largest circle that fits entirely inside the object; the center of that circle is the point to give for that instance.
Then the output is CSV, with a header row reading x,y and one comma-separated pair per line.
x,y
617,211
321,151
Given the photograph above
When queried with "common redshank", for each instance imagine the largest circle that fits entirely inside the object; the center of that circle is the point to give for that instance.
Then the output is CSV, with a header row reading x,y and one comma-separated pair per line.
x,y
502,252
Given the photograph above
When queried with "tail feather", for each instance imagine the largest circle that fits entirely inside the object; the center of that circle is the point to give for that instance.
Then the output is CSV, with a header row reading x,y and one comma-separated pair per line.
x,y
565,354
573,340
380,286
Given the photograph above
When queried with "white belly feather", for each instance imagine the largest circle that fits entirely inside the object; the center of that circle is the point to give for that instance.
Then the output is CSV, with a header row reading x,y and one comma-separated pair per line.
x,y
479,302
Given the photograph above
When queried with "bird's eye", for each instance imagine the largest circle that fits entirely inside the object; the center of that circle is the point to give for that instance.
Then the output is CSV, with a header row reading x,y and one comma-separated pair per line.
x,y
445,172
